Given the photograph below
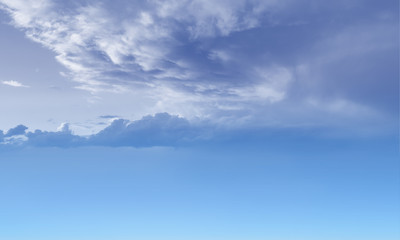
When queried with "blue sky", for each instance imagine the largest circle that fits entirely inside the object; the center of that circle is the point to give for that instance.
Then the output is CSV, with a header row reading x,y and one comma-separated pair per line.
x,y
284,189
244,119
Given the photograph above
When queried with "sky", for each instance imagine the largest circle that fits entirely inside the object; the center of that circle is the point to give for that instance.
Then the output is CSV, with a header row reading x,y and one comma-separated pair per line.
x,y
199,119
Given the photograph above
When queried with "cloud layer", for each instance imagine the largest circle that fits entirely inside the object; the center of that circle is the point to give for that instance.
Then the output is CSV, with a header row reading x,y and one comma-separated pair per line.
x,y
161,129
260,61
105,45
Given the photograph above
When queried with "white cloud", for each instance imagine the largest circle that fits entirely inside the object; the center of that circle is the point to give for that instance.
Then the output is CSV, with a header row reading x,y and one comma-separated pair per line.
x,y
64,127
13,83
271,86
95,44
213,18
187,56
109,52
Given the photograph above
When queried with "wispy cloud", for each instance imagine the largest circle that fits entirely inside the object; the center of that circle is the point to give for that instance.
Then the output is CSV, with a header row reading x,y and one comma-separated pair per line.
x,y
241,59
105,50
108,116
13,83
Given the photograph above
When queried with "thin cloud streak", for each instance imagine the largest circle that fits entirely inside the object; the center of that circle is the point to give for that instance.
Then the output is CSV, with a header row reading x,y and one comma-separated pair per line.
x,y
13,83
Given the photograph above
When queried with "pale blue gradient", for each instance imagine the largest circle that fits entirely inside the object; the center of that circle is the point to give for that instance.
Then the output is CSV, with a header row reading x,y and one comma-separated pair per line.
x,y
303,189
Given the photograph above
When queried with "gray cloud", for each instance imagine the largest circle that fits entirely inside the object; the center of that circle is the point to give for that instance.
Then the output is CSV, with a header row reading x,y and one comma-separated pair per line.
x,y
108,116
162,129
40,138
18,130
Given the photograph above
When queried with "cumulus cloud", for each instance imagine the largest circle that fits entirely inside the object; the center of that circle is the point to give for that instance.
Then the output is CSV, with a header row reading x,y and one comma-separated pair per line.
x,y
161,129
64,127
18,130
13,83
40,138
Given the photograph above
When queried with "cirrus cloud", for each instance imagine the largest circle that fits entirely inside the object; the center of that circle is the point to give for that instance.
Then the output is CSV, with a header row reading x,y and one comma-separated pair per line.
x,y
243,59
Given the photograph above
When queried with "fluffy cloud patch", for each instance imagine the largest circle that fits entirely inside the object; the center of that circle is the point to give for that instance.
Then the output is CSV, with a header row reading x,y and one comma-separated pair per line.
x,y
54,139
18,130
161,129
13,83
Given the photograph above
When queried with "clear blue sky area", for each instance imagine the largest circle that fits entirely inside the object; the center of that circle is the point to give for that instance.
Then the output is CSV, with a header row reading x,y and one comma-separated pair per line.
x,y
302,189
